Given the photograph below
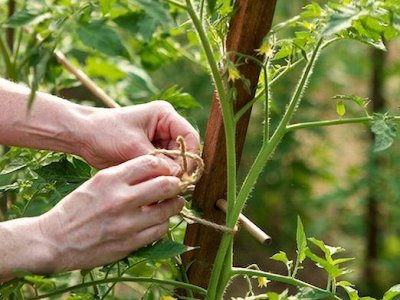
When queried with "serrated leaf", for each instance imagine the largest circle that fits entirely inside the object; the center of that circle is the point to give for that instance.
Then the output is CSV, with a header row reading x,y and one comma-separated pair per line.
x,y
385,131
154,14
312,10
340,20
394,291
301,241
340,108
106,6
179,99
162,250
280,256
26,17
99,36
353,293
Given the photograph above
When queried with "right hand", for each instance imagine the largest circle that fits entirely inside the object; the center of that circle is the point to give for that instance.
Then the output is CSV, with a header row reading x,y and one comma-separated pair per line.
x,y
114,213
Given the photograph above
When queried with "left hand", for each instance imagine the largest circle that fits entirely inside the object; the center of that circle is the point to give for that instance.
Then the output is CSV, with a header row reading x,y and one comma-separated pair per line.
x,y
116,135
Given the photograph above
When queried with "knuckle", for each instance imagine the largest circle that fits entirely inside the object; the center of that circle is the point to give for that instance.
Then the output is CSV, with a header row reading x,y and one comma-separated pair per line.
x,y
151,162
168,184
163,105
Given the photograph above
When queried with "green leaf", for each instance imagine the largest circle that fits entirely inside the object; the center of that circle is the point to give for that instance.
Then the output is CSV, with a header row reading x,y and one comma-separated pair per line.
x,y
312,10
162,250
385,130
394,291
211,5
40,70
301,241
177,98
281,256
26,17
340,108
139,84
353,293
340,20
99,36
154,14
40,281
360,101
106,6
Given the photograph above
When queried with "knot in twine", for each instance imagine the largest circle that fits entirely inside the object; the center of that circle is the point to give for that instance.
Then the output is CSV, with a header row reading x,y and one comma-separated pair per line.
x,y
188,182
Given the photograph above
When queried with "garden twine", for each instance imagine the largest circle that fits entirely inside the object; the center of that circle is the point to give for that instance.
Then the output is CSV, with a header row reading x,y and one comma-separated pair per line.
x,y
188,182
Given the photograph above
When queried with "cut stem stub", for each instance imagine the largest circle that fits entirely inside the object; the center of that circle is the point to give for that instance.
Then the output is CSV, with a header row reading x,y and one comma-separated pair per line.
x,y
248,225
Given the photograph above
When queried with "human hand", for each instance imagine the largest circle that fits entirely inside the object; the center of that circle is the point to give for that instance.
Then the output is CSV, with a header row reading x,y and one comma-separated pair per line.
x,y
114,213
116,135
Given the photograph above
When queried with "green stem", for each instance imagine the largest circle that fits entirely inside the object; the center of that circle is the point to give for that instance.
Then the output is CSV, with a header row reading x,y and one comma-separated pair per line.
x,y
267,102
11,74
282,25
226,106
177,4
281,278
95,289
314,124
124,279
260,94
268,148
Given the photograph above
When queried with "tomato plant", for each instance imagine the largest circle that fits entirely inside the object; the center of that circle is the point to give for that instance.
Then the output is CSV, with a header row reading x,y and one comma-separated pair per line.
x,y
119,44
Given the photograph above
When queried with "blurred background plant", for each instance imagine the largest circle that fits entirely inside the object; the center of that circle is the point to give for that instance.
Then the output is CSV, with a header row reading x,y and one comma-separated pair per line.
x,y
141,50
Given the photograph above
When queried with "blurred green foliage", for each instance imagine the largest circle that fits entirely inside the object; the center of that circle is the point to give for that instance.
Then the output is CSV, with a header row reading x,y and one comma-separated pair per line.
x,y
139,50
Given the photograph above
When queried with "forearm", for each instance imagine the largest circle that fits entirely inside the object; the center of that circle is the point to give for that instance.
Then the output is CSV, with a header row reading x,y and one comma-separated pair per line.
x,y
52,123
24,248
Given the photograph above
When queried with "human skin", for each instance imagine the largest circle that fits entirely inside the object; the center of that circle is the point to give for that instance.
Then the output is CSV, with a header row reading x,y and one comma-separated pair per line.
x,y
117,211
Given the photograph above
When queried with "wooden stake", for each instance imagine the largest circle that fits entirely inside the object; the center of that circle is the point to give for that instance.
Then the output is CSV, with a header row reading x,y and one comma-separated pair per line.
x,y
248,225
249,25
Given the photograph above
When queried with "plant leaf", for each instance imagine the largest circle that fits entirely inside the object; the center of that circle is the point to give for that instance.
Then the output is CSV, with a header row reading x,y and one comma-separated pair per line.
x,y
99,36
385,130
211,5
26,17
162,250
301,241
281,256
394,291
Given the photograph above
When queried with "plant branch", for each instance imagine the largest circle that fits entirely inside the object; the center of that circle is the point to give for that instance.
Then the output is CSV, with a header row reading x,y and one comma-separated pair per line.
x,y
315,124
177,4
268,148
281,278
260,94
124,279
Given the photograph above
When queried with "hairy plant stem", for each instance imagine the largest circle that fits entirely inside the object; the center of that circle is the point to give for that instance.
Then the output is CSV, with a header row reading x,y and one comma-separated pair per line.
x,y
221,269
315,124
177,4
260,94
281,278
268,148
124,279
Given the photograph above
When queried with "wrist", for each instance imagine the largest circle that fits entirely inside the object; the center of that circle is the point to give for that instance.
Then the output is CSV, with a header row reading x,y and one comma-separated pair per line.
x,y
25,248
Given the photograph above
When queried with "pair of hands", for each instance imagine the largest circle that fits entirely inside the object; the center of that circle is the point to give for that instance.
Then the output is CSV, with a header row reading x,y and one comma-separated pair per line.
x,y
119,209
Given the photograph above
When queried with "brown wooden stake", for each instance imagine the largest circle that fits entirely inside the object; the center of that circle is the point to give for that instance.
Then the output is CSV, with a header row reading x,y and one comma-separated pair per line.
x,y
249,25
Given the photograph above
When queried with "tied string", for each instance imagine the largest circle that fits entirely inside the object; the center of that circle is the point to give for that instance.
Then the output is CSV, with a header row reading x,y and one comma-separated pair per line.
x,y
188,182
